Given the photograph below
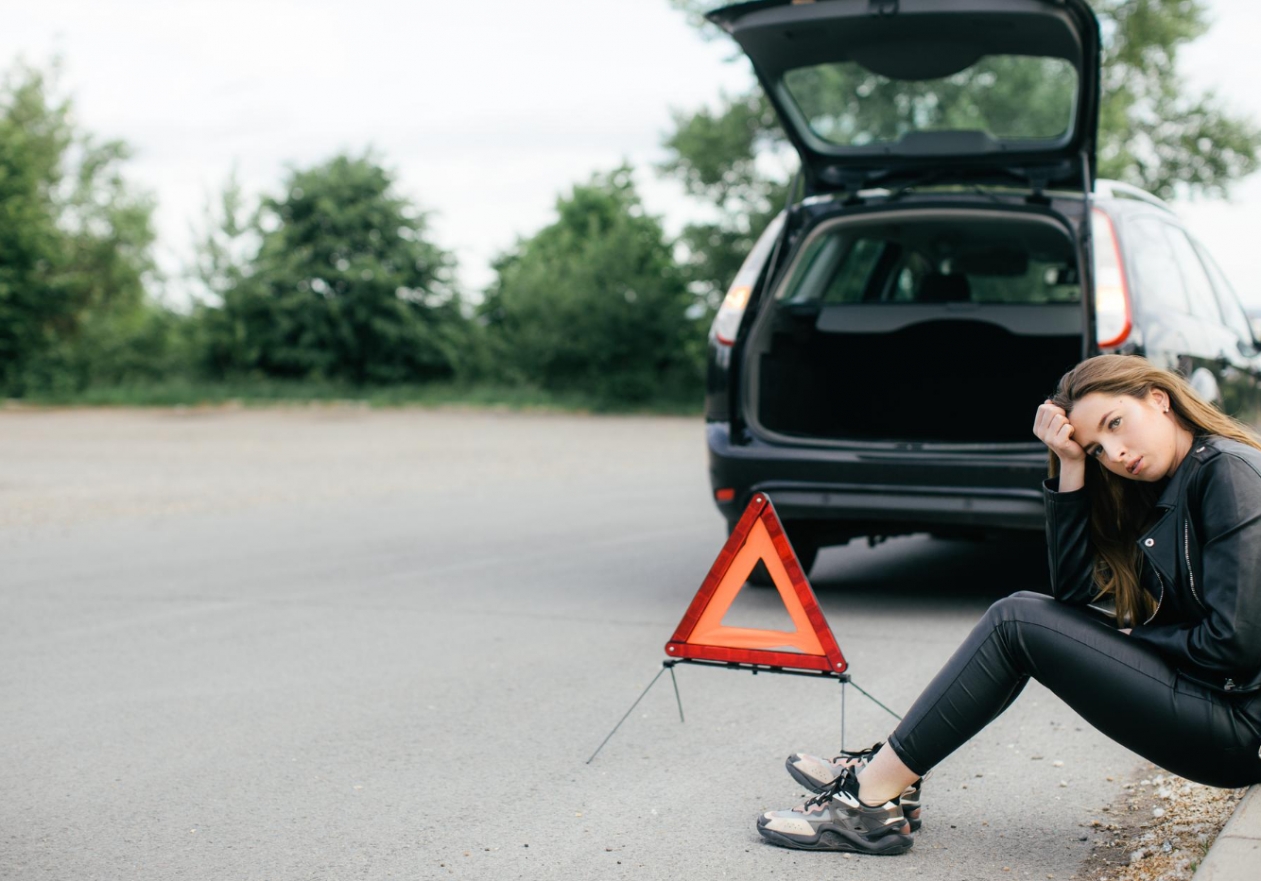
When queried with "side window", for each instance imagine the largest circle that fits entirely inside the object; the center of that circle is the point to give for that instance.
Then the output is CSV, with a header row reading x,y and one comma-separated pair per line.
x,y
1233,314
810,275
849,282
1159,281
1199,289
910,275
1042,281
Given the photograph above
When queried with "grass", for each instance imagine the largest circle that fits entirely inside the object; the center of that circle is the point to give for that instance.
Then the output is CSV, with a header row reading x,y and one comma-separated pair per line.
x,y
268,392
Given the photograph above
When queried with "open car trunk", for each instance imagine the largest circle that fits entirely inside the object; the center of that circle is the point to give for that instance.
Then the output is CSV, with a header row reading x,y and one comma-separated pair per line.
x,y
918,326
885,92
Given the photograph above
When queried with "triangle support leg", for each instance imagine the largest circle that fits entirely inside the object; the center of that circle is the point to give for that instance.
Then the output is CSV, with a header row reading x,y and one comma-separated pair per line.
x,y
874,701
674,680
665,665
843,684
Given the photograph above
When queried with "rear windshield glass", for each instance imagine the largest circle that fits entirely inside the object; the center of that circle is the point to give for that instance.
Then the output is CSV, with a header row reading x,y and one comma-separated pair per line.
x,y
1002,97
936,261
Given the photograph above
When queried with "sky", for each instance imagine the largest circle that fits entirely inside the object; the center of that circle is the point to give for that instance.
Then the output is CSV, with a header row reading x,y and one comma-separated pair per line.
x,y
485,111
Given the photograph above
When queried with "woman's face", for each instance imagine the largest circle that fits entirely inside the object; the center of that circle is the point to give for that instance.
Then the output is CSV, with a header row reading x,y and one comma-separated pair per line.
x,y
1135,438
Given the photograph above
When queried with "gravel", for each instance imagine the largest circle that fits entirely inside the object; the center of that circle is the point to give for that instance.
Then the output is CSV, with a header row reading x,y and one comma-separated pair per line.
x,y
1159,829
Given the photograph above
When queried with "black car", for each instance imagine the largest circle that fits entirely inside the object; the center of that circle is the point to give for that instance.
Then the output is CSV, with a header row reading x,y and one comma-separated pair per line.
x,y
946,257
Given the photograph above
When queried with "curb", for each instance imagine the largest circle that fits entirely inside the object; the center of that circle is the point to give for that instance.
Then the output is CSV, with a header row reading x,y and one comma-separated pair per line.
x,y
1236,852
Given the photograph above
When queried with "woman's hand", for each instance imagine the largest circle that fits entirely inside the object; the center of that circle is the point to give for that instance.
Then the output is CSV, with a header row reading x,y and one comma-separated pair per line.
x,y
1051,426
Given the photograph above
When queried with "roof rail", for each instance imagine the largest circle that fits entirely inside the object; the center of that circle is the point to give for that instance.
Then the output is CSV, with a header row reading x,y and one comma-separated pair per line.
x,y
1115,189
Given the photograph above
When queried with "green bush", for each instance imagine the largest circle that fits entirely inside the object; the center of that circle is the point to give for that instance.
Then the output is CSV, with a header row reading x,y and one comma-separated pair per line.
x,y
340,284
596,303
75,251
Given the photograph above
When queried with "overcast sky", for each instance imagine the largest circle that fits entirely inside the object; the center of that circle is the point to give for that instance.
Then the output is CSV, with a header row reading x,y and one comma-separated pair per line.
x,y
487,110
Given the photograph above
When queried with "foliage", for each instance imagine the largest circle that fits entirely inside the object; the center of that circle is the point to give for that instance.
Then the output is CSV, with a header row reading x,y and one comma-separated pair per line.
x,y
1154,131
183,390
75,243
331,279
715,154
330,288
595,302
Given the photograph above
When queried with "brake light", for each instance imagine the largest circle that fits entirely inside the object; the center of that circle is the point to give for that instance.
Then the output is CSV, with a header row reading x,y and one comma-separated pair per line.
x,y
726,494
1113,321
730,312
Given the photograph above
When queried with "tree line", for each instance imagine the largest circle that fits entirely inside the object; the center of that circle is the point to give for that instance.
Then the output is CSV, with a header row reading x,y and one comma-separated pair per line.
x,y
333,276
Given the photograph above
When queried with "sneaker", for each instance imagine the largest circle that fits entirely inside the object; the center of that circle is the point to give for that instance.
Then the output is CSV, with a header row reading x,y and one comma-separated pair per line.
x,y
837,820
816,774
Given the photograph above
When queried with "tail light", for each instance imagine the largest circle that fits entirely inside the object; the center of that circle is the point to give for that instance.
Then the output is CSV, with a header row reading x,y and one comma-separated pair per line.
x,y
730,312
1113,321
727,322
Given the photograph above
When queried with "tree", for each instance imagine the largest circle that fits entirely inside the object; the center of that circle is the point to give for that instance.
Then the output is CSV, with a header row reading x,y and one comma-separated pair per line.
x,y
716,156
75,242
1153,130
334,278
595,302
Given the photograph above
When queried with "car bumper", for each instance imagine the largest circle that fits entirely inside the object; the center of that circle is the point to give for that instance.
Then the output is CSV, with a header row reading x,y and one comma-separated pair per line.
x,y
902,488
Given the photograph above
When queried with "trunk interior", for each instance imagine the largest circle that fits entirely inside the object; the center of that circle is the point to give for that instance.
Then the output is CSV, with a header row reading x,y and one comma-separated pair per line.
x,y
924,326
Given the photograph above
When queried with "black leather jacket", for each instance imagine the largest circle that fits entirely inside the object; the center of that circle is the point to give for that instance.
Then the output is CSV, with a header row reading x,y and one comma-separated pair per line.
x,y
1201,563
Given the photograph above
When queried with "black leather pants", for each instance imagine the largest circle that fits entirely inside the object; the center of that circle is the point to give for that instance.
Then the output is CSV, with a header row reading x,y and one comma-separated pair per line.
x,y
1118,685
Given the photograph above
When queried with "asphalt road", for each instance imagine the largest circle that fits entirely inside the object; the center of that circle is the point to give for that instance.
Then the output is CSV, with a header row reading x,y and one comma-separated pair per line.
x,y
339,643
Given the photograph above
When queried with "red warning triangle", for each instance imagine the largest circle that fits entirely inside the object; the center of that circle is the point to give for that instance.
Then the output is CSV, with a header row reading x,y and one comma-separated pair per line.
x,y
758,536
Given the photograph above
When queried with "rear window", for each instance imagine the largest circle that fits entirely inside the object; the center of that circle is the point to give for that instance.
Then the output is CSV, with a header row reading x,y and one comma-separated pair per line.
x,y
1003,97
936,262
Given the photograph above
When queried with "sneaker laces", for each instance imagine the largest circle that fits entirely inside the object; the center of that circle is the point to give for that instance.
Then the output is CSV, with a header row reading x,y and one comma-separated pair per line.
x,y
864,755
860,754
861,757
829,792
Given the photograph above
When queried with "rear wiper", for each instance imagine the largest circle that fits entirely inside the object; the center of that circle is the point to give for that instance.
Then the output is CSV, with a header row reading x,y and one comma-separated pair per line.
x,y
989,194
923,180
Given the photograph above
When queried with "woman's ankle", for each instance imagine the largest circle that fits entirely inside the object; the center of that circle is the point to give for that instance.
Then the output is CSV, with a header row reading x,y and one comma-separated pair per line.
x,y
884,778
875,796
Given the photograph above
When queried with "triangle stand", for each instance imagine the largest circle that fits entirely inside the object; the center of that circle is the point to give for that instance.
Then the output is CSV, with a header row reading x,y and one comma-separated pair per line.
x,y
670,663
702,639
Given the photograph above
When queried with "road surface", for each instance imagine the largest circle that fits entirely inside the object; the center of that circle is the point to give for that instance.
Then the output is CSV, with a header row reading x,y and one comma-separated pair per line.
x,y
339,643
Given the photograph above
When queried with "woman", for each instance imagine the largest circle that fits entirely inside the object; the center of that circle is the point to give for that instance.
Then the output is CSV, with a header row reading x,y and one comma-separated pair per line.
x,y
1153,505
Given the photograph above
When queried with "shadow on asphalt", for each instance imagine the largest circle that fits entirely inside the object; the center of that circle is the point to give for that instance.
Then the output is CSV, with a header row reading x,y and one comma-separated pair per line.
x,y
926,572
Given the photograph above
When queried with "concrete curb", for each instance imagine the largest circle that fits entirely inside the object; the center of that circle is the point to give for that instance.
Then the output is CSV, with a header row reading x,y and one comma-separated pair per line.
x,y
1236,853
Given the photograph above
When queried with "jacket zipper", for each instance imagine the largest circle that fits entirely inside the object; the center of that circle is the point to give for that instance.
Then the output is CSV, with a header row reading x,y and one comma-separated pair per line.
x,y
1186,550
1161,599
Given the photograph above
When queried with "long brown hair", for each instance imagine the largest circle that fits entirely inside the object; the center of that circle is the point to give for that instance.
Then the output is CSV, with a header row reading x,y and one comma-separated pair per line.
x,y
1120,508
